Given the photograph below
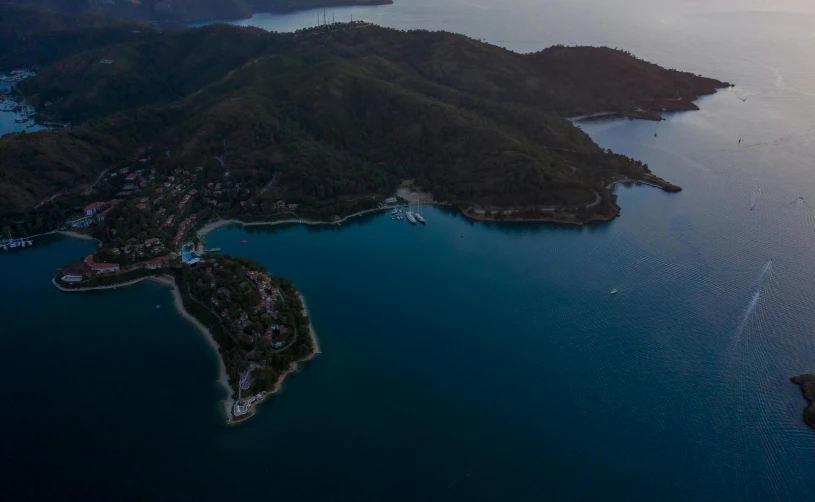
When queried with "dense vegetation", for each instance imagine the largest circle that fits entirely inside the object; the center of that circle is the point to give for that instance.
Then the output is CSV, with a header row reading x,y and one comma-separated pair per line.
x,y
245,349
333,119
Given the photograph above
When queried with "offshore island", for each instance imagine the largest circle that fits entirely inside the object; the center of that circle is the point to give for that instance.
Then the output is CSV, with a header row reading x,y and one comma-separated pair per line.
x,y
157,137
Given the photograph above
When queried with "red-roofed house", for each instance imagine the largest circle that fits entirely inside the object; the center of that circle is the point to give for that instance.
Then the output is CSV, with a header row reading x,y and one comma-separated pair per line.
x,y
100,268
92,209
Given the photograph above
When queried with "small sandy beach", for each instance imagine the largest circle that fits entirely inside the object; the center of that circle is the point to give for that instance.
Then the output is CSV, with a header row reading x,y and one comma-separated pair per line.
x,y
76,235
223,379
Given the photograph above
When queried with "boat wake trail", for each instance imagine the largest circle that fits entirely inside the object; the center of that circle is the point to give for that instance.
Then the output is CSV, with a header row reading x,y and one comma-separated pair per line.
x,y
747,313
763,276
764,271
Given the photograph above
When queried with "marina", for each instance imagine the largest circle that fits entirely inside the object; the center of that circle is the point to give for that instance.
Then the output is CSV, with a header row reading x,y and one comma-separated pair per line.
x,y
12,243
16,113
413,217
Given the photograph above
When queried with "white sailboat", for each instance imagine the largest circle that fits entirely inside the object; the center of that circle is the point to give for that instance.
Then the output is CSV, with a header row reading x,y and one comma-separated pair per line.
x,y
410,217
418,216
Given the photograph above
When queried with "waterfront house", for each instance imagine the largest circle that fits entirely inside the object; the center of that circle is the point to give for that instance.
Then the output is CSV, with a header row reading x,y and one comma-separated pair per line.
x,y
92,209
105,268
80,221
100,268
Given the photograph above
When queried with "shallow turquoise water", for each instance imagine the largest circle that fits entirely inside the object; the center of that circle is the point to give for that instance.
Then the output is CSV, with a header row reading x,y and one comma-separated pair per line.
x,y
471,361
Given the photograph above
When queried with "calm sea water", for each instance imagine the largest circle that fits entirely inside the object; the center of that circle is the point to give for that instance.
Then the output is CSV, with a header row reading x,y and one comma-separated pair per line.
x,y
474,361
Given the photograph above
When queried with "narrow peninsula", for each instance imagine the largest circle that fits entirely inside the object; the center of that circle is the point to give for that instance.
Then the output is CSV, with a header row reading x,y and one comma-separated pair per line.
x,y
256,321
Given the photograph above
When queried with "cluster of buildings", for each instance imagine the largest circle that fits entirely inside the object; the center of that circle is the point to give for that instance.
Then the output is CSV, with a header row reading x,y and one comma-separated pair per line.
x,y
92,214
171,199
137,250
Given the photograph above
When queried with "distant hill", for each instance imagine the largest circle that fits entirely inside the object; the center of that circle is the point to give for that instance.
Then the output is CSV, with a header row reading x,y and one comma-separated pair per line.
x,y
182,11
333,116
37,37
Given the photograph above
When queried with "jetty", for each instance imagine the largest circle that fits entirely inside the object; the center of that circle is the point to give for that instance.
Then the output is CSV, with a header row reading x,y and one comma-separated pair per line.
x,y
12,243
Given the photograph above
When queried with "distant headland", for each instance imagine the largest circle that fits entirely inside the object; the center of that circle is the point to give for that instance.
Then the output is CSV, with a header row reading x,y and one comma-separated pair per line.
x,y
807,384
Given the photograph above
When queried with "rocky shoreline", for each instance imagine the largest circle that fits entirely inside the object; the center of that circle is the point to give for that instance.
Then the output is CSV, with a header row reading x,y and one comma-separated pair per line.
x,y
807,384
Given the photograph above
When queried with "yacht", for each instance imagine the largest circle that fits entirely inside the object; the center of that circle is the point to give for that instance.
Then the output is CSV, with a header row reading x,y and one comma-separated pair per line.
x,y
418,217
410,218
613,292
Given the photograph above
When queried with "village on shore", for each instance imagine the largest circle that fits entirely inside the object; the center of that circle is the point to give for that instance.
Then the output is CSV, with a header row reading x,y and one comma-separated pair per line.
x,y
147,229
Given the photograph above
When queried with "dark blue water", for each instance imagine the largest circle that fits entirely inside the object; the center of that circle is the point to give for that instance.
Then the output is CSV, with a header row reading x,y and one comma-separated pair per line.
x,y
475,361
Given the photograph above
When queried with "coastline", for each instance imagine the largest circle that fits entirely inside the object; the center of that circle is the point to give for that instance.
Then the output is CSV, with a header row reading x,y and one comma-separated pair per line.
x,y
99,288
292,369
647,179
76,235
223,378
210,227
595,218
169,282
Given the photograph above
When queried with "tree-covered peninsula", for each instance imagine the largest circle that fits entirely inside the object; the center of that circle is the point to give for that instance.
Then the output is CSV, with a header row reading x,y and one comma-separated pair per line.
x,y
329,119
257,321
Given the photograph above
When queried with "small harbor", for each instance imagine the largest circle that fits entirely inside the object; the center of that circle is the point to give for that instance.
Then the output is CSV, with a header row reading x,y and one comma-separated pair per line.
x,y
12,243
413,216
16,113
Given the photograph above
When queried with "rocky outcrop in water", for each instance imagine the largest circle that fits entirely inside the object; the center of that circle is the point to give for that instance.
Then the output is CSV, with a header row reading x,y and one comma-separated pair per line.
x,y
807,383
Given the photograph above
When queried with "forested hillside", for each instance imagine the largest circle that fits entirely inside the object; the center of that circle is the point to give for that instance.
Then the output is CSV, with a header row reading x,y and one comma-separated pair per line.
x,y
338,114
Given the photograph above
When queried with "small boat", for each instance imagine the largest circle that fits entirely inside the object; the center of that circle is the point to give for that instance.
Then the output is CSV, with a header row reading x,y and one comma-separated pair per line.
x,y
243,241
613,292
158,306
